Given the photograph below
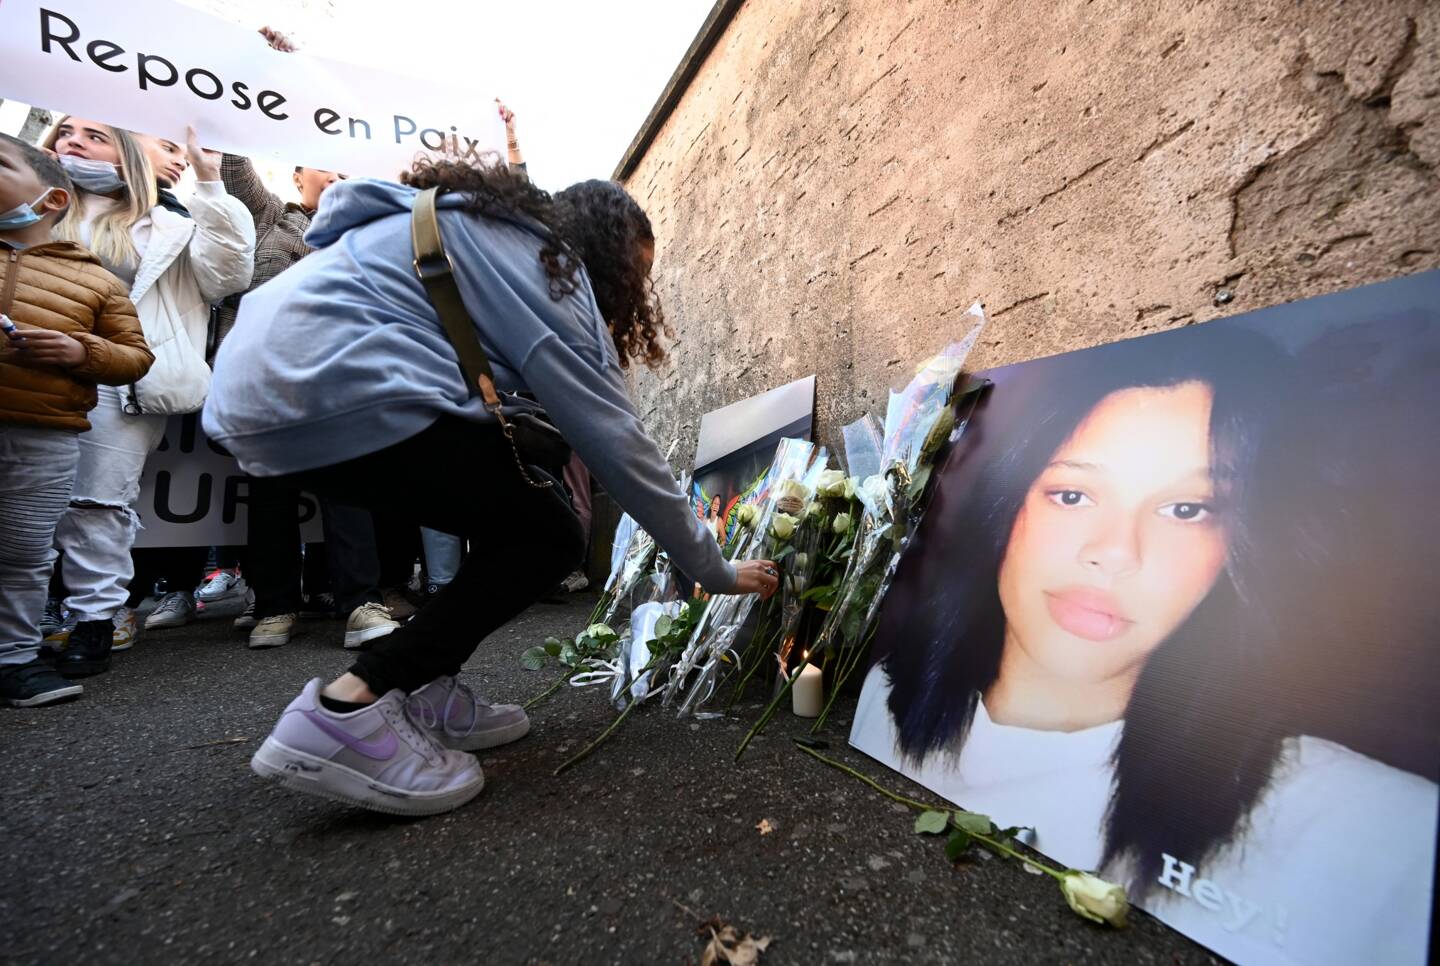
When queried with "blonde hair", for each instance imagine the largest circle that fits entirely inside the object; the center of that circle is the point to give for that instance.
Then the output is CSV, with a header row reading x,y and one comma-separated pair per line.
x,y
110,236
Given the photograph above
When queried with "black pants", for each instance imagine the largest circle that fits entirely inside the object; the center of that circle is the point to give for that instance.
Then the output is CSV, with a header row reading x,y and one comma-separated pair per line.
x,y
273,562
182,569
461,478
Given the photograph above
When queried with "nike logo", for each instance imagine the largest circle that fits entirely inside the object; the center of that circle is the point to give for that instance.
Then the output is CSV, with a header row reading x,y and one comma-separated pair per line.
x,y
379,749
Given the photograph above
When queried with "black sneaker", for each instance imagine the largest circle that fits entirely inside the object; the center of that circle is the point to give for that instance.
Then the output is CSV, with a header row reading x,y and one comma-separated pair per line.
x,y
320,606
89,650
31,685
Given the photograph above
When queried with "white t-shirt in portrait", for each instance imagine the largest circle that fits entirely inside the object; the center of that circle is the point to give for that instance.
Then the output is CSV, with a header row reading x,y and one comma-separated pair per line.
x,y
1336,864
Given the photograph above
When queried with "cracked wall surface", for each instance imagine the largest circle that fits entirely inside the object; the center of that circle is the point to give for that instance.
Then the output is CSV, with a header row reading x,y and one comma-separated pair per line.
x,y
842,180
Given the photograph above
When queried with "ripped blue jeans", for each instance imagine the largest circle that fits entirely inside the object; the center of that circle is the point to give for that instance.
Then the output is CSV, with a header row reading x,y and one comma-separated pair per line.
x,y
98,530
37,468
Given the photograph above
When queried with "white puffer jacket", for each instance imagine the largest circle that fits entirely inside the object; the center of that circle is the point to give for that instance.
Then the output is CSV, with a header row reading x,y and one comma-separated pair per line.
x,y
188,263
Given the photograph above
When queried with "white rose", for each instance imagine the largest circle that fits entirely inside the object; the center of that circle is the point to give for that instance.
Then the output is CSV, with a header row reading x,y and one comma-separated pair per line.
x,y
746,515
792,490
598,630
1095,899
830,483
815,509
852,485
842,523
874,491
802,560
782,526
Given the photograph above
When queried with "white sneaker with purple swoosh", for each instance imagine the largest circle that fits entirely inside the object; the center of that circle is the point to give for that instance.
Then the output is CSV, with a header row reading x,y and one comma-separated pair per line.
x,y
459,718
377,758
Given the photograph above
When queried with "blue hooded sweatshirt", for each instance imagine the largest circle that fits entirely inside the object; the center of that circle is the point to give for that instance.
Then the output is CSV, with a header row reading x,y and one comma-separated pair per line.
x,y
342,355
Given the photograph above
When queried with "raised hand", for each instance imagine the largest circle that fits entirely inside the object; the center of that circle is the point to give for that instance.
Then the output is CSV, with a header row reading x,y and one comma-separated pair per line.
x,y
205,163
277,40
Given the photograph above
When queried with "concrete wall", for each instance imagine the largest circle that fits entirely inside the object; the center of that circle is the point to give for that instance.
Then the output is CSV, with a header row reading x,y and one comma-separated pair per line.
x,y
842,179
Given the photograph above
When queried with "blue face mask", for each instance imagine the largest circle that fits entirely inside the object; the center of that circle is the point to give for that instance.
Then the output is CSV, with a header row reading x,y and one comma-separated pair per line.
x,y
97,177
23,216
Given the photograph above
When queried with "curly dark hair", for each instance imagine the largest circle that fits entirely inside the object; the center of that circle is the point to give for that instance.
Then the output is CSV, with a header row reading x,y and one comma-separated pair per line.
x,y
594,224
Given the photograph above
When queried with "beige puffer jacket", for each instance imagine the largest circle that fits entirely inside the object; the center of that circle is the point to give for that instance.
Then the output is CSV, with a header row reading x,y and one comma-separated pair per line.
x,y
61,286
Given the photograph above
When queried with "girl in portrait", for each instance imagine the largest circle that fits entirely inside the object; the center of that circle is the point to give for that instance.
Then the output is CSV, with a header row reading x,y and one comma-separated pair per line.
x,y
1086,639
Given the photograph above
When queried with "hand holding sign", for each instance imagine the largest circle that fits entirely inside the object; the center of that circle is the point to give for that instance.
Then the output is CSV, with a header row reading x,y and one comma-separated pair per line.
x,y
205,163
277,40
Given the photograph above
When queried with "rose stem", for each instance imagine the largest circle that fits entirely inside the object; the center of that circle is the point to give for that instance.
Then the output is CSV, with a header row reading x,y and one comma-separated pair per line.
x,y
548,691
921,806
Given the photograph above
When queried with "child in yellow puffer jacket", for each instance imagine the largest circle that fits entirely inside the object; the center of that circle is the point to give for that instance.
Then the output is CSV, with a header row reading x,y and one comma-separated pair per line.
x,y
68,324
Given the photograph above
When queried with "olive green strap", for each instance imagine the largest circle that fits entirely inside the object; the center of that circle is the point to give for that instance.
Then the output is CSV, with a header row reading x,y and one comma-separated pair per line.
x,y
437,274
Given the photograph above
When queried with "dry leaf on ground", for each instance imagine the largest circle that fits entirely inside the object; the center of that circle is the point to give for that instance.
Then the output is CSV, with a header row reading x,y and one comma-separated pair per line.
x,y
764,826
728,946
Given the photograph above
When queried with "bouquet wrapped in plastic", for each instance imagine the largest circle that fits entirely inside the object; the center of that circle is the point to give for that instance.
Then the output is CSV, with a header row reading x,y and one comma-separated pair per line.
x,y
919,421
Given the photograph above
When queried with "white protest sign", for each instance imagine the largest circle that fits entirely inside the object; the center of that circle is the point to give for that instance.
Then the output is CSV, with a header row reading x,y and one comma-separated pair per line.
x,y
193,495
155,66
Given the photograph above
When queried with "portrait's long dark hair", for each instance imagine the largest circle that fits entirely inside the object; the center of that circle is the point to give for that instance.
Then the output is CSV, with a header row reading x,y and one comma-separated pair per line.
x,y
594,224
1194,755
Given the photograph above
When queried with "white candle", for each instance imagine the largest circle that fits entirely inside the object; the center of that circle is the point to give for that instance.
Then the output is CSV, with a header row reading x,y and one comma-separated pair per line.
x,y
807,696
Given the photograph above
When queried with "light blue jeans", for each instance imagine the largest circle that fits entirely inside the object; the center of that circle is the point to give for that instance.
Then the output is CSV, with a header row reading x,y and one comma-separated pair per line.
x,y
442,555
98,532
37,472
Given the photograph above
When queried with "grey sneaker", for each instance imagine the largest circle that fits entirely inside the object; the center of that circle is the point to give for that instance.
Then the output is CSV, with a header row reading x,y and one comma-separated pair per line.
x,y
246,620
176,609
459,718
376,758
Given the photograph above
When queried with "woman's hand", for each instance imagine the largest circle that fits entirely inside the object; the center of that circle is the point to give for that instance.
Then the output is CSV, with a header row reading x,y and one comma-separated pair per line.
x,y
756,577
205,163
51,348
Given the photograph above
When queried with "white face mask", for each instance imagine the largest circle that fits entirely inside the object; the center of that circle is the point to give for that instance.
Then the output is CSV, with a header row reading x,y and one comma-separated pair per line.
x,y
23,216
97,177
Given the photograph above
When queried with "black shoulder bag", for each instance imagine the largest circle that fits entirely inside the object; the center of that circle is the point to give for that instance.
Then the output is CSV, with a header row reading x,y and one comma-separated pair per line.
x,y
536,443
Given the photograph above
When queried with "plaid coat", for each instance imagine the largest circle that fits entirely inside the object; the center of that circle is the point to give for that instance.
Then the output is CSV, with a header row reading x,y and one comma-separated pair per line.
x,y
279,234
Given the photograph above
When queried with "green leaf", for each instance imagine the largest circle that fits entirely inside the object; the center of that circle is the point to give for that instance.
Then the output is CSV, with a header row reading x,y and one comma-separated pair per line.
x,y
569,656
918,481
784,553
533,659
663,625
931,823
553,646
974,823
956,845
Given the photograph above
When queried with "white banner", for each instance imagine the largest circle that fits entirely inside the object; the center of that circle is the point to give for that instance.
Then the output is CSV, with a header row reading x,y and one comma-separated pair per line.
x,y
155,66
193,495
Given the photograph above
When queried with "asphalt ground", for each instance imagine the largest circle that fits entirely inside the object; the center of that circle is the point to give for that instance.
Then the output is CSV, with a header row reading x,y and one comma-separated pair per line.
x,y
132,831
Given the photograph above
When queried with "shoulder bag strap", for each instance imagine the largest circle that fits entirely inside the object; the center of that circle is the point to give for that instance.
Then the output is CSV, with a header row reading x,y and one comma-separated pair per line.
x,y
437,273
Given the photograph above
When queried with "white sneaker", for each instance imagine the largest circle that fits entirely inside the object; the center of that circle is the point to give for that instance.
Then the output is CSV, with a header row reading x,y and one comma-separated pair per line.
x,y
176,609
376,758
221,585
459,718
273,631
127,629
367,622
